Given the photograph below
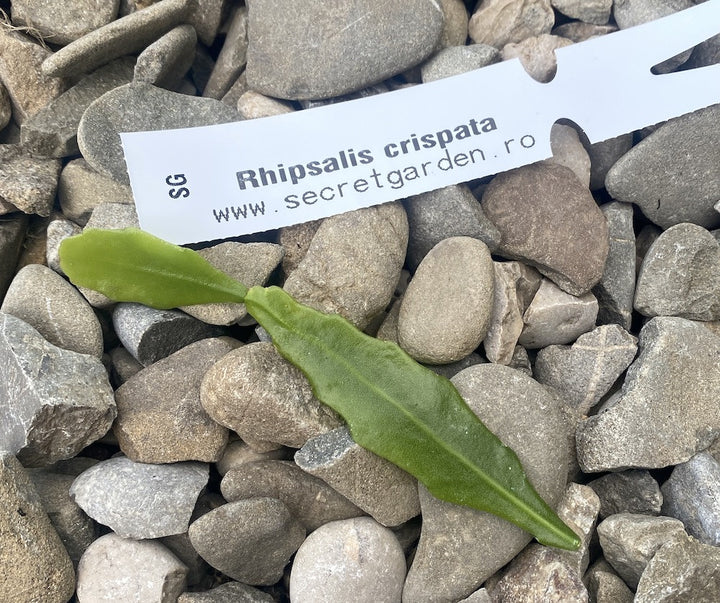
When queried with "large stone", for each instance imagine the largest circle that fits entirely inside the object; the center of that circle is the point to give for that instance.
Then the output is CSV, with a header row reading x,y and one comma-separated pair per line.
x,y
461,270
299,49
460,547
672,174
52,131
160,418
118,569
53,402
367,564
126,35
27,181
629,541
616,290
59,21
634,491
584,372
249,540
152,109
261,396
376,485
681,570
29,88
692,495
680,275
555,317
48,303
548,219
34,565
163,496
679,399
308,498
353,263
451,211
498,22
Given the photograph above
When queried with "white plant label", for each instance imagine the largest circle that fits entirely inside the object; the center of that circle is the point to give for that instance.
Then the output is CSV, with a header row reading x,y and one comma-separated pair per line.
x,y
216,182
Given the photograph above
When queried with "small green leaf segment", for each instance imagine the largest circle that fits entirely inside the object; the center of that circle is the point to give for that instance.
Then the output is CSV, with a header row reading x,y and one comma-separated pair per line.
x,y
394,407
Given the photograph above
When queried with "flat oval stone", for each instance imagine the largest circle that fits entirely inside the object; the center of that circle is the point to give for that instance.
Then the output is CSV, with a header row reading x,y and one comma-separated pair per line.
x,y
152,109
460,547
367,561
300,49
680,275
46,301
548,219
163,496
672,175
458,272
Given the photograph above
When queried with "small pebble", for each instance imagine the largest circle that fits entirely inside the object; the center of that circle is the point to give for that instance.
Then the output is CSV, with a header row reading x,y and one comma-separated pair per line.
x,y
252,105
308,498
568,150
163,496
238,453
28,182
459,269
229,592
455,60
537,55
166,61
605,586
160,418
634,491
249,540
5,107
12,234
58,230
589,11
604,154
352,560
118,569
692,495
455,28
499,22
232,58
378,487
555,317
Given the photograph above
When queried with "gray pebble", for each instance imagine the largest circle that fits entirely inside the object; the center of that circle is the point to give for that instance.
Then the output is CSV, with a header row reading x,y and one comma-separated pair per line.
x,y
460,270
561,232
605,586
455,28
52,131
261,396
5,107
166,61
681,570
60,21
378,487
309,499
232,58
588,11
475,544
692,495
76,530
450,370
150,334
55,402
648,174
604,154
680,275
634,491
160,419
252,105
29,88
629,541
367,561
455,60
556,317
249,540
568,150
152,109
28,182
301,50
161,501
616,290
81,189
498,22
451,211
36,566
353,263
47,302
537,55
584,372
58,230
238,453
250,263
118,569
677,399
120,37
229,592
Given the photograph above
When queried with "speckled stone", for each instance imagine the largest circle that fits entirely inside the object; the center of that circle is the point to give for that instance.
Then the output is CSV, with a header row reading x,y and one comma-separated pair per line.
x,y
233,55
498,22
634,491
596,12
454,60
167,60
27,182
299,49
